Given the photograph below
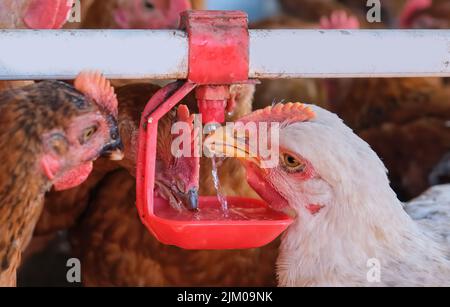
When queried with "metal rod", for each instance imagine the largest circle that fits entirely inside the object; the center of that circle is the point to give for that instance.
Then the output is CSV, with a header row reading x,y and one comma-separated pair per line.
x,y
357,53
53,54
163,54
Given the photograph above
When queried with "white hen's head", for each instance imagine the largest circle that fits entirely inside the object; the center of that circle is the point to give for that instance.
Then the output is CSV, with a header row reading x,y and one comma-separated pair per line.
x,y
322,163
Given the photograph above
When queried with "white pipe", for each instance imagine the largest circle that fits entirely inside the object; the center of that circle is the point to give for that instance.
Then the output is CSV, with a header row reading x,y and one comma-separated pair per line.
x,y
357,53
53,54
28,54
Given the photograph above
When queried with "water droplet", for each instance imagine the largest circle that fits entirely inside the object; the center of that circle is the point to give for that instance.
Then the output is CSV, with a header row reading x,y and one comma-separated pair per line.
x,y
215,173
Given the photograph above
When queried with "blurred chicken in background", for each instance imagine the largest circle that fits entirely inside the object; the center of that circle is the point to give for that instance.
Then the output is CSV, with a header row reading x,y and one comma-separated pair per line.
x,y
425,14
32,14
135,14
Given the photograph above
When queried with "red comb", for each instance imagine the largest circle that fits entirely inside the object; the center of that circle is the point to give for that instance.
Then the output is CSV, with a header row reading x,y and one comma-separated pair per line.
x,y
184,115
191,162
47,14
98,88
411,7
282,113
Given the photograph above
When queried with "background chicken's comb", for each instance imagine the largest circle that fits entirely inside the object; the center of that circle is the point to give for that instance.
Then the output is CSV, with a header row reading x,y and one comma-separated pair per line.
x,y
411,7
47,14
282,113
97,87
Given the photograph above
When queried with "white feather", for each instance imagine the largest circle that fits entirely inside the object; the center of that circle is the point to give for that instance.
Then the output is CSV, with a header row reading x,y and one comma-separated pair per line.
x,y
362,218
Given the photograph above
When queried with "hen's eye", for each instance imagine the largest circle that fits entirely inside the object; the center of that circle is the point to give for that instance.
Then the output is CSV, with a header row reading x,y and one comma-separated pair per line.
x,y
291,163
149,5
87,134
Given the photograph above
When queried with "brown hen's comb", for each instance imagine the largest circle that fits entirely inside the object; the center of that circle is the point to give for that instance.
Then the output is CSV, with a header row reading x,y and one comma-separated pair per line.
x,y
95,86
411,7
184,115
291,112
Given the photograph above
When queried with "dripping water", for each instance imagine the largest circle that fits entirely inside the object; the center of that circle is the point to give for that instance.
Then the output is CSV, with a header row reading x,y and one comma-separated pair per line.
x,y
215,173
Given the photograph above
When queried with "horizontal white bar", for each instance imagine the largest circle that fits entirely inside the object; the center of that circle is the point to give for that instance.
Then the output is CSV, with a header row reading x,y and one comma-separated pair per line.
x,y
126,54
53,54
356,53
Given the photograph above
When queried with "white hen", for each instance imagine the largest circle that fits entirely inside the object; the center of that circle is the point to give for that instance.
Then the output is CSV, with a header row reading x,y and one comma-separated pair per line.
x,y
350,228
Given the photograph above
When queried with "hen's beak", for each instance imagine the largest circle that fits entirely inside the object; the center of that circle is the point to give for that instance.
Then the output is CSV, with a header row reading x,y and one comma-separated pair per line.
x,y
113,151
192,200
224,142
189,199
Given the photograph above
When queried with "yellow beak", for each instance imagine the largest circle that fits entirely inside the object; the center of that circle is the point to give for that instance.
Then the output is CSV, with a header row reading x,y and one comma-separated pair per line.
x,y
224,142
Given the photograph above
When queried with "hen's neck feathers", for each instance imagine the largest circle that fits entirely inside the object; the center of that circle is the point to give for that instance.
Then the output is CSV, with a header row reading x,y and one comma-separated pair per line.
x,y
22,188
26,114
362,219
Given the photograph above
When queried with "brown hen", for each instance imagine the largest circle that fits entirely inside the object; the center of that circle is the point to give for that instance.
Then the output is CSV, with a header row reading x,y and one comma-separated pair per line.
x,y
64,208
51,133
135,14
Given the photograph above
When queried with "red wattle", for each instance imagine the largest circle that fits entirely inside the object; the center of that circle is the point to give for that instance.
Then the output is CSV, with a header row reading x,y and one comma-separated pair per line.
x,y
73,177
47,14
264,189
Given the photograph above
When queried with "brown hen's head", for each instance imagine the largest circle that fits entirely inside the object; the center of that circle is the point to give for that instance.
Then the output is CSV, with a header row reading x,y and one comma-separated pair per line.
x,y
53,129
177,165
176,177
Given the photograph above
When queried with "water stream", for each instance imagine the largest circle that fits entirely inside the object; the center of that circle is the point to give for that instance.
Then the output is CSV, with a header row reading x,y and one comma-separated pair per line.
x,y
216,162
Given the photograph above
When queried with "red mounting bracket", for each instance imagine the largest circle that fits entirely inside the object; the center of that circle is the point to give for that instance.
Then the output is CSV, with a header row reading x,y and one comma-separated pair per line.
x,y
218,46
218,58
